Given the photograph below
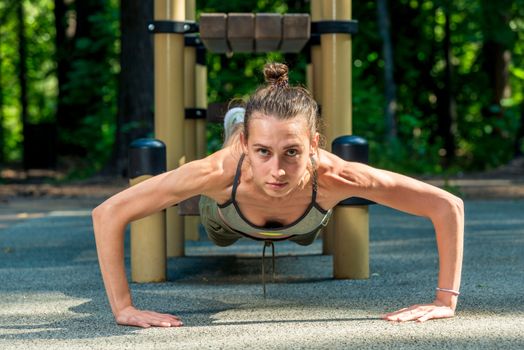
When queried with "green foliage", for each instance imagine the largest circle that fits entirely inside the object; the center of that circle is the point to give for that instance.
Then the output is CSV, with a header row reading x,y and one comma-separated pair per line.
x,y
42,89
91,91
485,131
12,124
418,34
92,88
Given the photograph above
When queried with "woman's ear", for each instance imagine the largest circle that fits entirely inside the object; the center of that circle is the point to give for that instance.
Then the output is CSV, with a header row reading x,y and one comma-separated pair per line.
x,y
243,142
314,143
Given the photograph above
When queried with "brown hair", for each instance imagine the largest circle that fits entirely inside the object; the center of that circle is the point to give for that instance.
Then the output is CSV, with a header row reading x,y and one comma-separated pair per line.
x,y
281,100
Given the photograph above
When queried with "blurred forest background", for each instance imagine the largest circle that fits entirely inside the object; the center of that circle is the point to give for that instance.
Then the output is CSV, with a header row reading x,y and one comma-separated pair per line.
x,y
438,85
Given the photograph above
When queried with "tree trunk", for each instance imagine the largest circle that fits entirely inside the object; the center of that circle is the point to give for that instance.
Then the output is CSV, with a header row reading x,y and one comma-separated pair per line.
x,y
496,64
135,93
87,77
405,23
22,71
62,53
68,114
447,107
389,82
519,139
499,40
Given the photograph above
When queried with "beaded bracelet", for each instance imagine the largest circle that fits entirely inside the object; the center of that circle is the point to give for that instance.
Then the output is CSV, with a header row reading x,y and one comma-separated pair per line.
x,y
452,291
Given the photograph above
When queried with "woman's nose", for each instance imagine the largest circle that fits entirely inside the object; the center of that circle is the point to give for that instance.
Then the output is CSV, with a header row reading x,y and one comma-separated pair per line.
x,y
278,171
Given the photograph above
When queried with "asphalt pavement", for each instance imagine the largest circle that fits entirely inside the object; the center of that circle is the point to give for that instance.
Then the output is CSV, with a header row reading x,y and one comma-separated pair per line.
x,y
52,297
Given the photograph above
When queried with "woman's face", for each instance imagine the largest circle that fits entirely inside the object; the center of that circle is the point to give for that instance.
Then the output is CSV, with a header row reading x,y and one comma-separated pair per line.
x,y
279,152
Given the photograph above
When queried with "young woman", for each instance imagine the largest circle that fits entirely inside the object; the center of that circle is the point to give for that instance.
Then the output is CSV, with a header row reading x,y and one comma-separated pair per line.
x,y
272,179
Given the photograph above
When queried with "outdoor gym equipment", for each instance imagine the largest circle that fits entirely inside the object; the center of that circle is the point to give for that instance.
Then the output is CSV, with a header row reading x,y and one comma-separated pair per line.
x,y
181,104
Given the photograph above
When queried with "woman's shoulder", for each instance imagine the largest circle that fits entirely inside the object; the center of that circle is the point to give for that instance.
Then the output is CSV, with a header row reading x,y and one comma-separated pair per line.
x,y
334,172
328,162
328,167
218,169
331,165
224,160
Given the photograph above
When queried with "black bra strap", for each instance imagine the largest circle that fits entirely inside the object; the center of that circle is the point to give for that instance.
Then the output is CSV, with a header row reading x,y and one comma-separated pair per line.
x,y
315,184
237,178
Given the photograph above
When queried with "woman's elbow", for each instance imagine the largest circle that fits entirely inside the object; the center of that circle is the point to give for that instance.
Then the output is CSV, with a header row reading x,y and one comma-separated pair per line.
x,y
100,211
457,205
451,206
96,213
101,214
460,204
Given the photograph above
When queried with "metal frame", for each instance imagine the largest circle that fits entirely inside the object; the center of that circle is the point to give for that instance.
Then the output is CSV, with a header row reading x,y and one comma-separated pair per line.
x,y
329,77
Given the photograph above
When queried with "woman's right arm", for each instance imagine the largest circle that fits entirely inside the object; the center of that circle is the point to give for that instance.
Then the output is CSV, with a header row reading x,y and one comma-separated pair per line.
x,y
111,218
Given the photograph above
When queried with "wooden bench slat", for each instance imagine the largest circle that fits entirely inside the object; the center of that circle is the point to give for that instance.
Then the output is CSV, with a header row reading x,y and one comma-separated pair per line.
x,y
296,30
241,31
268,32
213,32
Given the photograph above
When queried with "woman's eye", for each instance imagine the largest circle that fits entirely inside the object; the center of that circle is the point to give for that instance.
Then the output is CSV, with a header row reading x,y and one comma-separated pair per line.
x,y
292,152
263,152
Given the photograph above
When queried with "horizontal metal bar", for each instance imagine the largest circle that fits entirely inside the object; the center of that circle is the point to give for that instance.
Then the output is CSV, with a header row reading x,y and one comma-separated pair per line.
x,y
334,27
196,113
178,27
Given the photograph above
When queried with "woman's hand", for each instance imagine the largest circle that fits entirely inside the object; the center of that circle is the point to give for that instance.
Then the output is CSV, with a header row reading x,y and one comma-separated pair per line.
x,y
130,316
421,313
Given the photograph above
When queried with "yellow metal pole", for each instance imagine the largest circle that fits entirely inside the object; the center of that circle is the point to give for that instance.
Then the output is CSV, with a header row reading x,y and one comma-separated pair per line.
x,y
189,102
316,89
350,224
351,242
309,76
191,223
148,245
316,55
147,158
169,107
336,72
201,102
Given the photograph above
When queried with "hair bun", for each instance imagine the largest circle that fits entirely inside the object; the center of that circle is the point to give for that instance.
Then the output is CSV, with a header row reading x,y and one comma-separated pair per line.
x,y
276,74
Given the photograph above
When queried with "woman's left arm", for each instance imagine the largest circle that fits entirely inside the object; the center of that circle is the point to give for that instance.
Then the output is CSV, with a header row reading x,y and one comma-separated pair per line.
x,y
445,210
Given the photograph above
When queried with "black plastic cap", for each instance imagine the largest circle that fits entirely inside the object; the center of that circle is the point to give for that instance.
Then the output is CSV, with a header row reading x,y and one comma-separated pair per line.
x,y
353,201
146,157
351,148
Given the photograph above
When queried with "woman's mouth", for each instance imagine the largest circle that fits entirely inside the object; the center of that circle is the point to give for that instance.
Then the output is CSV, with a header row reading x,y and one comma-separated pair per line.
x,y
276,185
